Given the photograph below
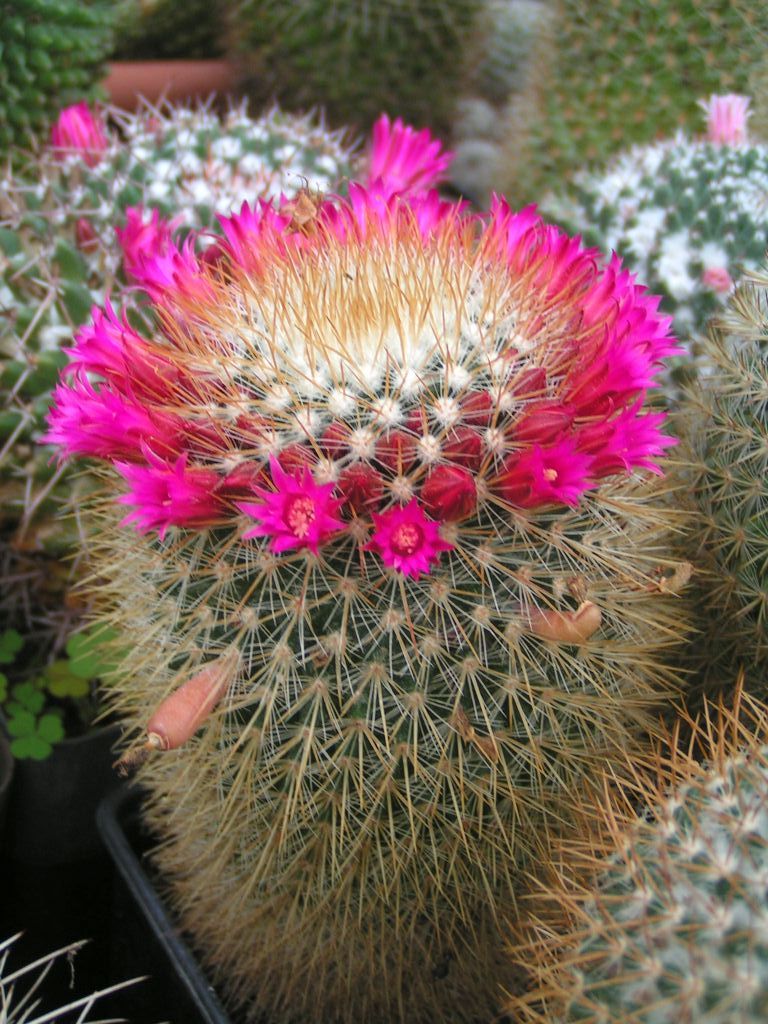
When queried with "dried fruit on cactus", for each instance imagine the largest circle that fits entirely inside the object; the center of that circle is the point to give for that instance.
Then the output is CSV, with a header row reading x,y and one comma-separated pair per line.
x,y
397,465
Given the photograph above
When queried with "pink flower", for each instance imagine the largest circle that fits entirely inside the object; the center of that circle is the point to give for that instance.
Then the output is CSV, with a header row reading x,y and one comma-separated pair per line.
x,y
404,160
111,348
407,540
173,276
77,129
727,119
100,423
538,476
718,279
169,494
143,238
252,234
299,513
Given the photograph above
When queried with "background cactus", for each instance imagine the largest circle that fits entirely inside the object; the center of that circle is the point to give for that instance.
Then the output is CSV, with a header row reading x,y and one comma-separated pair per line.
x,y
354,59
164,30
59,254
688,215
670,923
627,72
53,53
726,415
397,520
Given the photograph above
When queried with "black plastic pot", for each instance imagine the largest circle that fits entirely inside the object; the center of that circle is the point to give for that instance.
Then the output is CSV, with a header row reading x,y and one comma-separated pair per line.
x,y
145,940
51,814
6,776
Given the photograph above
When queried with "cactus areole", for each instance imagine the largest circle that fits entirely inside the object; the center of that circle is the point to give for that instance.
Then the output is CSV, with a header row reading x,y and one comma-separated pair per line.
x,y
387,467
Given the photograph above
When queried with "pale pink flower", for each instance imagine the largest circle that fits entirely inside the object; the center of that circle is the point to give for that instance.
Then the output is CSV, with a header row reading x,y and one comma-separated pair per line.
x,y
717,279
169,494
298,513
407,540
77,129
727,118
404,160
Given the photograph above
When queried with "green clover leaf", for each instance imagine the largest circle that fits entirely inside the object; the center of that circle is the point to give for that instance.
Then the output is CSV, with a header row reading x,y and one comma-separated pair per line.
x,y
30,747
3,687
28,696
62,681
11,643
89,654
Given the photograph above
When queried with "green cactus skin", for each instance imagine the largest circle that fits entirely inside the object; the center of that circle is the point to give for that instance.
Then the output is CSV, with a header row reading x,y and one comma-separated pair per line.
x,y
674,927
52,53
728,423
676,211
353,58
629,71
184,162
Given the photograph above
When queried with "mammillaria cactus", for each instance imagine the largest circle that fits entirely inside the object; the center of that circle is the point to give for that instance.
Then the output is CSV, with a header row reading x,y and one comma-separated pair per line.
x,y
622,72
394,573
726,412
53,52
687,214
59,254
673,924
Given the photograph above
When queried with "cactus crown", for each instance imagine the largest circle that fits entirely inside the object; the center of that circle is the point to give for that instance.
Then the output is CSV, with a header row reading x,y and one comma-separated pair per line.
x,y
675,924
384,462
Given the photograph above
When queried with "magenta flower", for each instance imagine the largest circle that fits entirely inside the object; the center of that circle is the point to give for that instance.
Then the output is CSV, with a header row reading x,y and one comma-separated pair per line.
x,y
169,494
97,422
145,237
299,513
625,442
727,118
77,129
538,476
172,275
404,160
406,540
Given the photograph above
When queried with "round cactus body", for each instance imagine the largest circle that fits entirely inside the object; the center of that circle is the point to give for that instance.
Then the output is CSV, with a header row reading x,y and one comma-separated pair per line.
x,y
674,925
60,216
385,468
52,53
688,215
728,421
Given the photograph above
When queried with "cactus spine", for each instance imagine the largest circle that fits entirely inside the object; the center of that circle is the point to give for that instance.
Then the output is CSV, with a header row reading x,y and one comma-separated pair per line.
x,y
374,475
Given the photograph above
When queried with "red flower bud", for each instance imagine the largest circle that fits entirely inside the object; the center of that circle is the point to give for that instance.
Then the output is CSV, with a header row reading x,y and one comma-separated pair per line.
x,y
529,384
294,456
449,492
334,439
464,446
397,451
243,479
361,487
85,234
477,408
542,423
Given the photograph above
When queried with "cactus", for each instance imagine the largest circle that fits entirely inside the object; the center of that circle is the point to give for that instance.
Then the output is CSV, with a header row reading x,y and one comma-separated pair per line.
x,y
354,59
669,922
727,424
53,53
164,30
623,72
398,582
687,215
59,254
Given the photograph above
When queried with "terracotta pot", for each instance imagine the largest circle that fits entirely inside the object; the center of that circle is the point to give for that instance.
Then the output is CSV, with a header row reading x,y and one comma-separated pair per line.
x,y
174,80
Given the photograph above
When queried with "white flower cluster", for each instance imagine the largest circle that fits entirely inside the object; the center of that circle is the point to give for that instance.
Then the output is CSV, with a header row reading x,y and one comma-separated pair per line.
x,y
687,216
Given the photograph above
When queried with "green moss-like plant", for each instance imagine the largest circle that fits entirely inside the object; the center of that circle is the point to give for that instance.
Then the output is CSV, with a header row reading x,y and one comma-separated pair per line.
x,y
52,53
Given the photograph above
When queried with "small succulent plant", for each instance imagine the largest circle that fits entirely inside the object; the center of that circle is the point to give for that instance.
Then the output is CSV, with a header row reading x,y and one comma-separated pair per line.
x,y
670,922
689,215
383,529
